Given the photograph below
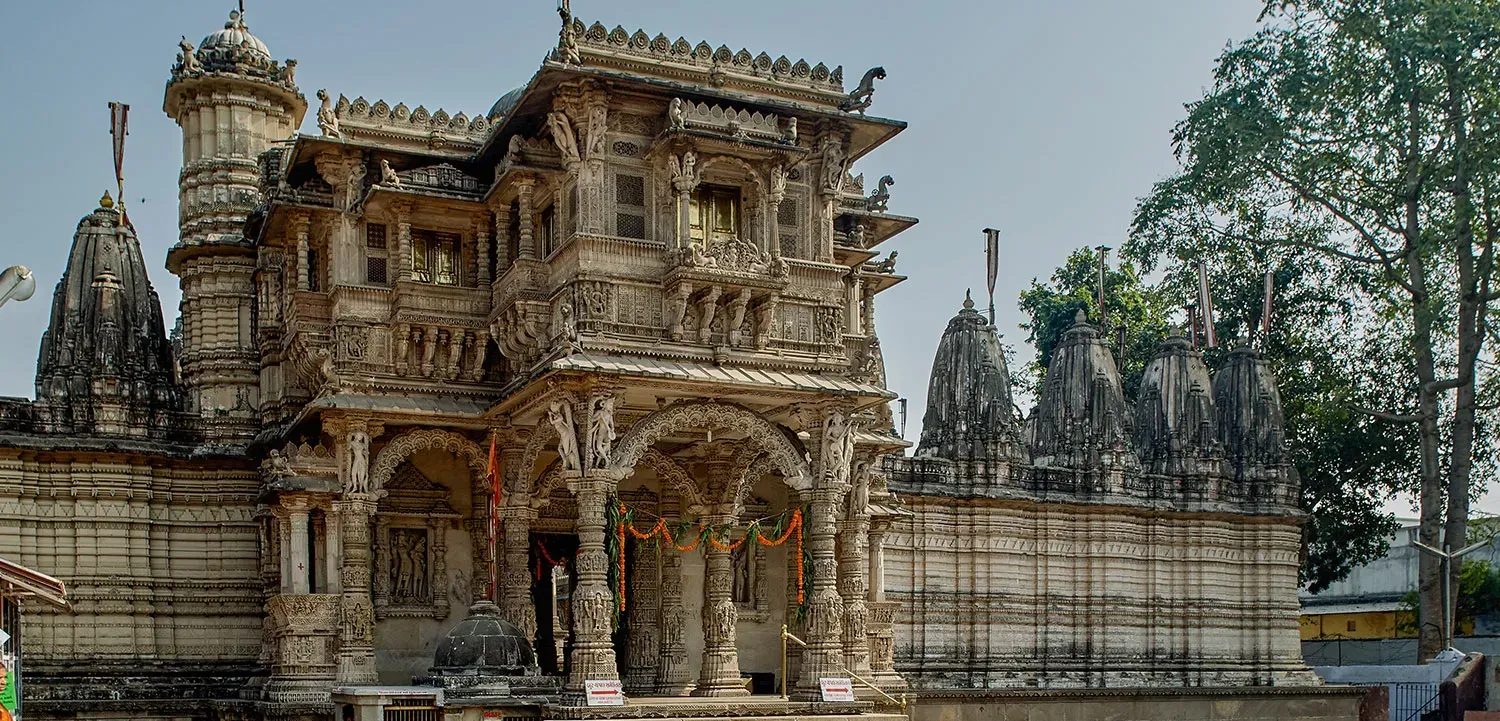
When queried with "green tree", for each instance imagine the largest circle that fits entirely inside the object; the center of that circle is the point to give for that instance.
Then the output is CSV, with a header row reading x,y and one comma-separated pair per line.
x,y
1363,132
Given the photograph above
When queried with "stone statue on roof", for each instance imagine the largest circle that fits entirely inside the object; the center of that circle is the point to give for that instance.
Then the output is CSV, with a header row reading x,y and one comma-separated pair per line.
x,y
328,121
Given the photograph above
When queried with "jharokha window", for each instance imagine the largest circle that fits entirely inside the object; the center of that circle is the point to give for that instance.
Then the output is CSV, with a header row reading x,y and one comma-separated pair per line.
x,y
714,213
434,257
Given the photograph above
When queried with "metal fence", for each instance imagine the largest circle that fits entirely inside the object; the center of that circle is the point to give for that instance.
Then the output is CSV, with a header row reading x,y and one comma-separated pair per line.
x,y
1412,701
413,713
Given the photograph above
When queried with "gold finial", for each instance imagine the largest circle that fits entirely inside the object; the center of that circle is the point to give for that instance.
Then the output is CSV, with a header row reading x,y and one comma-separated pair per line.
x,y
106,201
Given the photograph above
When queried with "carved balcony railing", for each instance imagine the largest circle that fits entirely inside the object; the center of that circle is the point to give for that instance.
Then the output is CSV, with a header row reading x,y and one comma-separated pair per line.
x,y
430,304
309,314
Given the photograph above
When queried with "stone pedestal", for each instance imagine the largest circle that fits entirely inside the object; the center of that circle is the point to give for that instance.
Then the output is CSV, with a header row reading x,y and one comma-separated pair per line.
x,y
719,673
593,656
305,629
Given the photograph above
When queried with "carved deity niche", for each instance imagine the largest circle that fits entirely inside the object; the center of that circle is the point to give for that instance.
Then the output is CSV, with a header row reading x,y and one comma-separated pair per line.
x,y
750,574
411,566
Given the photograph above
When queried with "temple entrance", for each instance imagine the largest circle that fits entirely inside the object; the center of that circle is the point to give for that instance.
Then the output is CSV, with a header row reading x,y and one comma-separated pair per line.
x,y
551,587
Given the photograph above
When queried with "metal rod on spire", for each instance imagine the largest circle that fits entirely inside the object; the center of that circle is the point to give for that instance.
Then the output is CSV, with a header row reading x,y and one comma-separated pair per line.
x,y
992,264
1192,323
1103,260
119,114
1265,308
1206,303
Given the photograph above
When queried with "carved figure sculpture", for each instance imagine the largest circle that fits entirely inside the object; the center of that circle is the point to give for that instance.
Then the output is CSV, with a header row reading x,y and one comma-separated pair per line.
x,y
857,235
289,73
560,415
567,325
838,442
387,175
789,134
513,154
277,466
562,135
882,195
602,429
862,95
567,45
598,126
833,165
359,462
328,122
189,58
888,265
677,115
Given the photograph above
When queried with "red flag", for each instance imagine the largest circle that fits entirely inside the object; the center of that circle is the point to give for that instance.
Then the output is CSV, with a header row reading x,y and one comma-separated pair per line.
x,y
495,487
118,118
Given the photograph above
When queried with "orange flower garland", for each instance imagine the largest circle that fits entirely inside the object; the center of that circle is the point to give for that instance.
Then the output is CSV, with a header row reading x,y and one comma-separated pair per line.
x,y
662,531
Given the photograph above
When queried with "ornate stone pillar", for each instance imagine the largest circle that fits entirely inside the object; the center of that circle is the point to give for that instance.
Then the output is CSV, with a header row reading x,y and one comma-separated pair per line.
x,y
515,582
644,622
301,225
403,241
881,626
719,673
356,662
824,655
591,173
527,243
502,238
795,623
672,677
593,656
774,195
853,535
482,250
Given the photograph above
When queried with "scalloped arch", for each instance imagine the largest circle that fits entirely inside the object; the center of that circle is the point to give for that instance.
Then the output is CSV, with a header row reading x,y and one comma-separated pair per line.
x,y
403,446
711,414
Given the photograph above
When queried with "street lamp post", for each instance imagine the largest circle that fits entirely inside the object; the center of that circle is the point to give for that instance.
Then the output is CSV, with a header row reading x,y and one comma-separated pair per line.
x,y
1448,603
16,283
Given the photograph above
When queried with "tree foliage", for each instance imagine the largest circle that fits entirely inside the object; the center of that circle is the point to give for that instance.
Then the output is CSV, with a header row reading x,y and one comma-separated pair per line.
x,y
1359,137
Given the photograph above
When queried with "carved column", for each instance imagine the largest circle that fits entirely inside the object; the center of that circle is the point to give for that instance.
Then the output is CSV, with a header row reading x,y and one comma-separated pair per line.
x,y
297,558
881,627
824,655
795,623
403,241
301,225
515,582
593,656
853,535
502,239
774,195
645,625
719,673
357,622
482,250
591,180
526,241
672,677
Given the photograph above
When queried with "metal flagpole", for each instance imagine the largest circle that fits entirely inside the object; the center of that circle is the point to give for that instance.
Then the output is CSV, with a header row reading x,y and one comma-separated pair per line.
x,y
1265,308
1206,303
992,264
1103,255
1192,323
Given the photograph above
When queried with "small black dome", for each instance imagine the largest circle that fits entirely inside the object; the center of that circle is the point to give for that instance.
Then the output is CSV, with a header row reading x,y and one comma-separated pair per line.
x,y
484,643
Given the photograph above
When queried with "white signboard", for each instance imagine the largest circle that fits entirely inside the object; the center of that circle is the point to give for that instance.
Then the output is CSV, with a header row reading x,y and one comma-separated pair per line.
x,y
836,689
604,693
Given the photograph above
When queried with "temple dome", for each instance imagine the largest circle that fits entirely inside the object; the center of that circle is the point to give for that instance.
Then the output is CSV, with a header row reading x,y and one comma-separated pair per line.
x,y
1081,420
234,36
105,366
1175,421
969,406
484,644
507,102
1252,429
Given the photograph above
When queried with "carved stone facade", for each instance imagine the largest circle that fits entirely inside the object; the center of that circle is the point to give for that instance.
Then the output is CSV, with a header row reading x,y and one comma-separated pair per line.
x,y
647,282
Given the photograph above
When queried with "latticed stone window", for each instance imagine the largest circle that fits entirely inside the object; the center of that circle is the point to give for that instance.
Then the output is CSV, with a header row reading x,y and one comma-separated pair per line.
x,y
434,257
788,225
376,253
630,206
714,213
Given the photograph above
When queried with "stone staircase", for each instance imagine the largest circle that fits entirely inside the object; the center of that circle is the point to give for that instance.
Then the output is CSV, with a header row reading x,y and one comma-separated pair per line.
x,y
754,708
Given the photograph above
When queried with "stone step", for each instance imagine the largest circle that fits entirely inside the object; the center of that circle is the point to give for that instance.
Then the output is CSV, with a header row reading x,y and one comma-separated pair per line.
x,y
747,709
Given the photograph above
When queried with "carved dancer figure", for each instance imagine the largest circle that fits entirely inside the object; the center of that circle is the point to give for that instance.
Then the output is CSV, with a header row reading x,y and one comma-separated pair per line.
x,y
677,115
838,443
602,429
189,58
387,175
359,462
560,415
328,122
882,195
860,98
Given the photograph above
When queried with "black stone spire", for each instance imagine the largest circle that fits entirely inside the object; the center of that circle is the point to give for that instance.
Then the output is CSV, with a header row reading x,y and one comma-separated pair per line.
x,y
1176,429
969,407
1082,421
105,367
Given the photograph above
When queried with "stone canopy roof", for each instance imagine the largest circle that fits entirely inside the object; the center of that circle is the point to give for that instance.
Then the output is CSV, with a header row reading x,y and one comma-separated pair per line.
x,y
969,406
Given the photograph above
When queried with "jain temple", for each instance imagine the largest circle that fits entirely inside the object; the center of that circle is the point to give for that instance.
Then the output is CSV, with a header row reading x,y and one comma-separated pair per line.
x,y
492,416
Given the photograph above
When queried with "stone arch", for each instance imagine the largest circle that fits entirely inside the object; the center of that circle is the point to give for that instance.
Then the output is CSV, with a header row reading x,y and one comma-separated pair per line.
x,y
405,445
739,164
521,477
672,475
764,434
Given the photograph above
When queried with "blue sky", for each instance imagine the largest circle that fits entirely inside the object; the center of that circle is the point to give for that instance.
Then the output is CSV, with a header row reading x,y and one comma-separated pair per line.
x,y
1046,120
